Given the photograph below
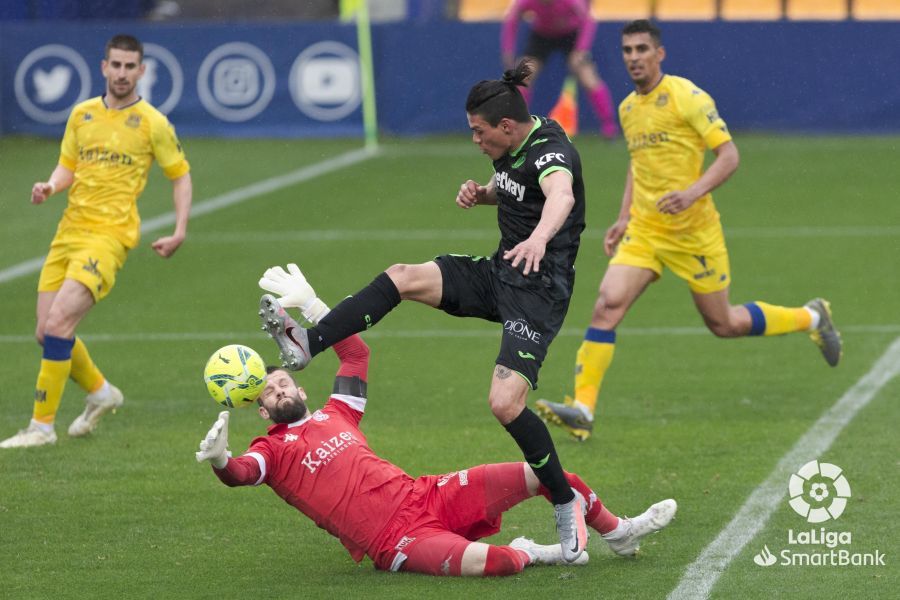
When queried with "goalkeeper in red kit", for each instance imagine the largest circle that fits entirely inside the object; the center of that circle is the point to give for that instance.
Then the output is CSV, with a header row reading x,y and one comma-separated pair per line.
x,y
320,463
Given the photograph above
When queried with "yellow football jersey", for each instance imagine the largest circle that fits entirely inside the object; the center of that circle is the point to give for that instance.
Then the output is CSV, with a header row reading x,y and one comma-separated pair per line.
x,y
110,152
668,132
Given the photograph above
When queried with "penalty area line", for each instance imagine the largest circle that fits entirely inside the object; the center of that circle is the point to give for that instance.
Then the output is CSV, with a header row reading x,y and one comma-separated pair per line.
x,y
221,201
485,332
702,574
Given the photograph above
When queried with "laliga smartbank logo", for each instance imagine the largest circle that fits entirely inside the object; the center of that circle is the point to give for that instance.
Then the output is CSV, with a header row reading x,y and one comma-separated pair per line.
x,y
818,492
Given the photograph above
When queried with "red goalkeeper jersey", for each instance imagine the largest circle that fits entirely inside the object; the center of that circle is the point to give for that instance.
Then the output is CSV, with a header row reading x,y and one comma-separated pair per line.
x,y
323,466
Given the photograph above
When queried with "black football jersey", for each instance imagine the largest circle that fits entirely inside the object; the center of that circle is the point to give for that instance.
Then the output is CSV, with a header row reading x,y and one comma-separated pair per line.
x,y
520,202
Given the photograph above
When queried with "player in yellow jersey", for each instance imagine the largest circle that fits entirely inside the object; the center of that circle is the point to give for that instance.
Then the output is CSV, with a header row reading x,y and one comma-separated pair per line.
x,y
668,219
107,149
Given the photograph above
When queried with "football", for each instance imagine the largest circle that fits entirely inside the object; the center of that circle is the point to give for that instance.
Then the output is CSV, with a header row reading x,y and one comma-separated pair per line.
x,y
235,375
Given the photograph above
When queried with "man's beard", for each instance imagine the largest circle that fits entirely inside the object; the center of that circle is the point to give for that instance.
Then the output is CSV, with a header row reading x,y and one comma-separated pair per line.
x,y
288,412
110,89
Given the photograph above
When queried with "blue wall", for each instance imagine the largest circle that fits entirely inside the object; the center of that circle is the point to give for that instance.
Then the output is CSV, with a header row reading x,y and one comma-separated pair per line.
x,y
781,76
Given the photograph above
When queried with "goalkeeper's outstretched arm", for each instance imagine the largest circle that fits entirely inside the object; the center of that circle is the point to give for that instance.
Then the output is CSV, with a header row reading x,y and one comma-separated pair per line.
x,y
244,470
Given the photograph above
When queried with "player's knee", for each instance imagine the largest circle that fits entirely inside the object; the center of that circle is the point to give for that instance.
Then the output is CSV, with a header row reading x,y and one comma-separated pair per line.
x,y
59,324
503,408
399,274
406,278
608,309
721,328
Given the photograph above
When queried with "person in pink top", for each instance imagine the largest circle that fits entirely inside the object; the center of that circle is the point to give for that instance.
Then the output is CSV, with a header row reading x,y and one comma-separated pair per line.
x,y
568,27
320,463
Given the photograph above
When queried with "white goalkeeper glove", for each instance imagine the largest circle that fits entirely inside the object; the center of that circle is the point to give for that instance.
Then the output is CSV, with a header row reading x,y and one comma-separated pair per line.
x,y
214,446
295,292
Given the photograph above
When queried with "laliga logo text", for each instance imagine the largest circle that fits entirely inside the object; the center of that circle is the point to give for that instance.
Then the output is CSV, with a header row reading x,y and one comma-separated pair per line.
x,y
818,492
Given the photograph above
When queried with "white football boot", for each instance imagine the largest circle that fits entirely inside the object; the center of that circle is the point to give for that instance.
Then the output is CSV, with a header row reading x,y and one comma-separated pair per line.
x,y
625,540
545,555
108,398
570,525
30,436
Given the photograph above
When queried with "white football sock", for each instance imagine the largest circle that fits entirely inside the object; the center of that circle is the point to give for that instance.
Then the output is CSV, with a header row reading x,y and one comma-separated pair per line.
x,y
46,428
585,410
816,317
616,533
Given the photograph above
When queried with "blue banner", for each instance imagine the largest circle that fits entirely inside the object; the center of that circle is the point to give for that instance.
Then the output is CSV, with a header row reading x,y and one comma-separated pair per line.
x,y
302,79
212,80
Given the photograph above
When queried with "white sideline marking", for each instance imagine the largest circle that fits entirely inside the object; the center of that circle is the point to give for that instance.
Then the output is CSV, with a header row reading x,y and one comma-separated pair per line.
x,y
385,333
700,577
399,235
221,201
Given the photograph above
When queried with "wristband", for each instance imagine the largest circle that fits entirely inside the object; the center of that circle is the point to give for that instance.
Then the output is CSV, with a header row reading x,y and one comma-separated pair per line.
x,y
52,187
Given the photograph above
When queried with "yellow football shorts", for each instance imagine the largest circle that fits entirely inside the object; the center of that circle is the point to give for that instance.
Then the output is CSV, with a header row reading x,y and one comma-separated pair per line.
x,y
88,257
699,257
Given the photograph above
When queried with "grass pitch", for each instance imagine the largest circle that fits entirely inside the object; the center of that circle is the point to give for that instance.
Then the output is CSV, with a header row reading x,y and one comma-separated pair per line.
x,y
128,512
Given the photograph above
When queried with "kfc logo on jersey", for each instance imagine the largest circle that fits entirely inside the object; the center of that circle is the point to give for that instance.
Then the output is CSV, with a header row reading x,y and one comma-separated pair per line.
x,y
549,157
506,183
328,449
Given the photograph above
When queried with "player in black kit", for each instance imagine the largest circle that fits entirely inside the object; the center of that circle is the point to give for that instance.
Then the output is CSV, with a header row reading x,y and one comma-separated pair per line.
x,y
526,285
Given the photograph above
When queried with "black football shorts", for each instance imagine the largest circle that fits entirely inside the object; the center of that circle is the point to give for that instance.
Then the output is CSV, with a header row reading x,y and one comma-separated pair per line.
x,y
530,317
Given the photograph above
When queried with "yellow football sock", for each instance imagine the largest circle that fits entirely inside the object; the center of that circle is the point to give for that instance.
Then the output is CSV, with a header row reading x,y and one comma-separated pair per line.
x,y
55,368
768,319
84,372
593,359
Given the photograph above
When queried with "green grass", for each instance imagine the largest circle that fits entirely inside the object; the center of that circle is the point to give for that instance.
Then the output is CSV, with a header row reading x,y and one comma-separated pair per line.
x,y
129,513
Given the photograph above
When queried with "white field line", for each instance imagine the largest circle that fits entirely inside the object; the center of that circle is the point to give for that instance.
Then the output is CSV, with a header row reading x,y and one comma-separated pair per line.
x,y
399,235
385,333
221,201
700,577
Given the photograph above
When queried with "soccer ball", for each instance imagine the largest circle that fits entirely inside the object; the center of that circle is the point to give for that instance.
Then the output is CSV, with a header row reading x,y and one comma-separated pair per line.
x,y
235,375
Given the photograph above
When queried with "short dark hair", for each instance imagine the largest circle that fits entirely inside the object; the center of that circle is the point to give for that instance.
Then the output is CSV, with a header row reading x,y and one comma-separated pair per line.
x,y
496,99
644,26
125,42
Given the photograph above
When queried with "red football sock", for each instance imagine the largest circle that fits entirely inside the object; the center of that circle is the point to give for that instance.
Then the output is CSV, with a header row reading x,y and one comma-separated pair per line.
x,y
503,560
597,516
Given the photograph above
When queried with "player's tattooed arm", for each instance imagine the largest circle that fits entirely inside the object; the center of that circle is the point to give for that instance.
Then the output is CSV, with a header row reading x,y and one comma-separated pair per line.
x,y
502,372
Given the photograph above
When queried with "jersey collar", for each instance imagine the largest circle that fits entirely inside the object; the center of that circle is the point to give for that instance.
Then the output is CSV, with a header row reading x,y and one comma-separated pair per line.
x,y
278,427
654,88
106,106
535,127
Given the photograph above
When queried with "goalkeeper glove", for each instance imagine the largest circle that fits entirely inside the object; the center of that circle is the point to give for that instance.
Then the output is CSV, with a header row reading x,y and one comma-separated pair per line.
x,y
214,446
295,292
